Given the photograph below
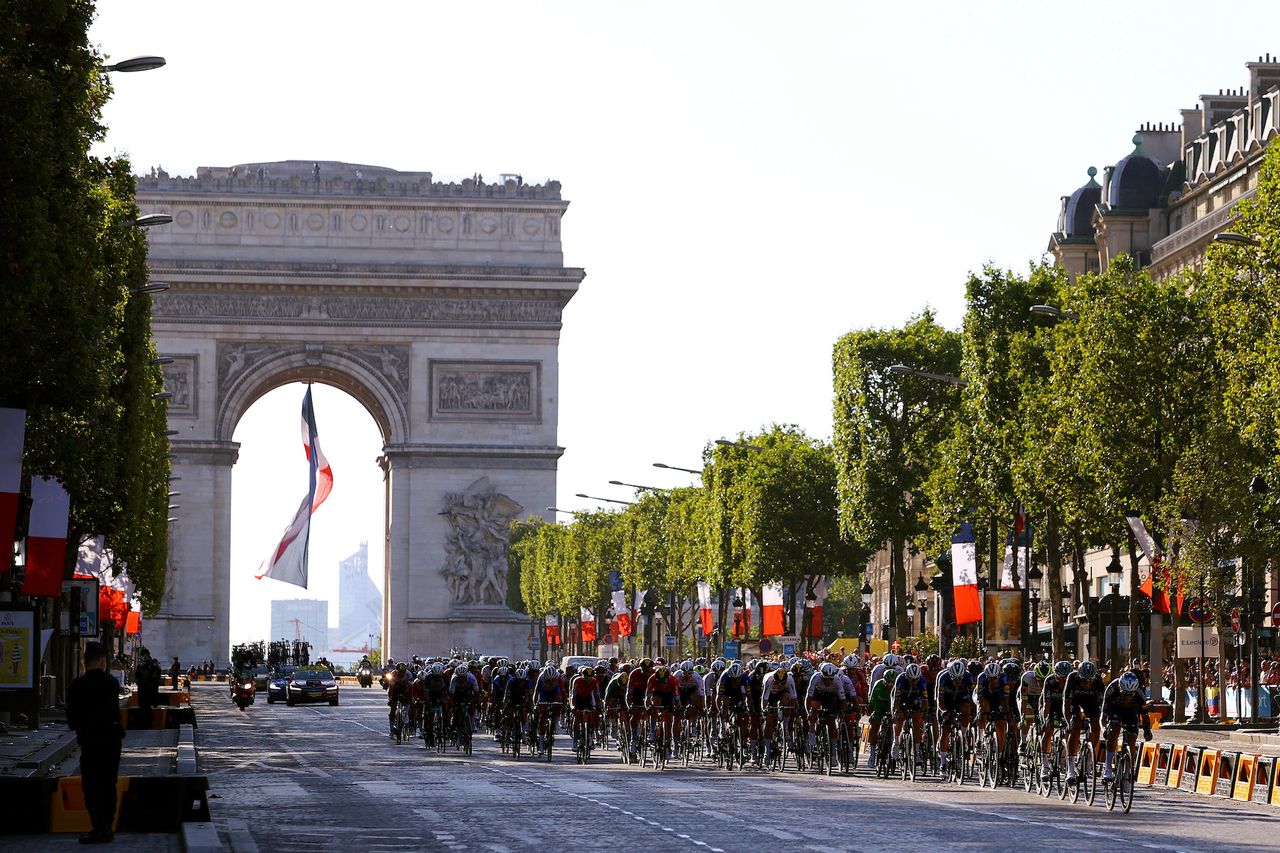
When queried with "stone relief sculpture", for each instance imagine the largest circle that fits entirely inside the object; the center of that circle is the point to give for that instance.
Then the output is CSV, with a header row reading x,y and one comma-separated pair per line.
x,y
499,391
475,565
391,361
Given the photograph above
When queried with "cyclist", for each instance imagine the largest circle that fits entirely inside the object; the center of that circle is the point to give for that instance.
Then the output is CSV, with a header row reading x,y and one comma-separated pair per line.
x,y
1051,709
910,697
931,669
692,695
777,691
432,687
615,694
1124,705
879,702
1081,698
755,696
1029,690
463,691
826,700
548,696
398,692
993,695
731,695
711,681
584,695
662,699
854,677
515,700
637,683
953,692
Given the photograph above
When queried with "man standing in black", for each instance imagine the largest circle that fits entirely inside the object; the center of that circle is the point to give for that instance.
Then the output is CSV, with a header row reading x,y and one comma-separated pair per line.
x,y
93,710
148,678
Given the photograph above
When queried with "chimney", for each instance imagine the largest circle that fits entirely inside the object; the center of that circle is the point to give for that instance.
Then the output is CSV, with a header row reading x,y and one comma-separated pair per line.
x,y
1192,125
1264,75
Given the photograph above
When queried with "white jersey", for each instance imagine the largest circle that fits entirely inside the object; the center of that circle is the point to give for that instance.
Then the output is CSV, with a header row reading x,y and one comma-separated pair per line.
x,y
775,687
819,686
692,681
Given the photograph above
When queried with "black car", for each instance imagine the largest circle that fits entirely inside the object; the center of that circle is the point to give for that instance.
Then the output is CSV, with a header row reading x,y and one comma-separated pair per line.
x,y
277,687
311,685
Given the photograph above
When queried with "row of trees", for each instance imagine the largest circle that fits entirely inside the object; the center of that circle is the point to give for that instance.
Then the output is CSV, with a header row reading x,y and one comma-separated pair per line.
x,y
77,351
765,513
1160,397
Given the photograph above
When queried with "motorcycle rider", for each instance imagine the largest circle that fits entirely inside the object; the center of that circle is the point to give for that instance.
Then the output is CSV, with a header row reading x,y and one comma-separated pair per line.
x,y
397,691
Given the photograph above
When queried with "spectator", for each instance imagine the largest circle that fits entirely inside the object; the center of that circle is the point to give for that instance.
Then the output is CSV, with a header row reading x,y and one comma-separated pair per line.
x,y
148,677
93,711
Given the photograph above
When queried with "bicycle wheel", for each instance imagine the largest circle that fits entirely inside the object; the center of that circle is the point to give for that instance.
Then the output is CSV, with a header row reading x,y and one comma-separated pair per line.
x,y
1109,790
1088,770
989,758
466,735
1124,781
855,747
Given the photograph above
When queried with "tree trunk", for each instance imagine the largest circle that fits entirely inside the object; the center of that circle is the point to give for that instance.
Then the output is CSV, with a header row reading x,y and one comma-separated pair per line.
x,y
898,580
1053,558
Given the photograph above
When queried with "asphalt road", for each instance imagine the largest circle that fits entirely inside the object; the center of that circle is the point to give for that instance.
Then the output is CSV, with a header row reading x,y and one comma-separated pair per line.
x,y
320,777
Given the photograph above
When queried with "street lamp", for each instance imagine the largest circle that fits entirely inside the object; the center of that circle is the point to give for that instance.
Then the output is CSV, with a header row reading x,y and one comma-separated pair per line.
x,y
922,596
1033,588
1056,313
565,511
156,287
810,602
904,370
606,500
1235,239
162,395
724,442
152,219
1114,571
634,486
136,63
865,601
164,359
677,468
739,630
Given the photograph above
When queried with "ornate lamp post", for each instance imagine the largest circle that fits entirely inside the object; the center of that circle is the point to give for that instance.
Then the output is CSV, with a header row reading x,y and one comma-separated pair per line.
x,y
739,629
1114,572
865,615
922,602
810,602
1033,587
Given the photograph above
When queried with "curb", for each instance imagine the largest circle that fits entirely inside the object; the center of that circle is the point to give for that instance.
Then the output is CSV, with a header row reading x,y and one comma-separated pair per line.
x,y
39,764
187,763
200,836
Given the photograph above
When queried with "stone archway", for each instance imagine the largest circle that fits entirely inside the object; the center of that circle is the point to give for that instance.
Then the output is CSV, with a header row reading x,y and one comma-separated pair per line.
x,y
437,306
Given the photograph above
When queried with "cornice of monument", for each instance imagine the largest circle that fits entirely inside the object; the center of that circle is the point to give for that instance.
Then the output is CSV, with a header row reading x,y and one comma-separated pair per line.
x,y
355,269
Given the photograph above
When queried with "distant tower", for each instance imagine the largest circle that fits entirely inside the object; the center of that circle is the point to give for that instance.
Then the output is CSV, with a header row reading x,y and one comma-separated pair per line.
x,y
359,604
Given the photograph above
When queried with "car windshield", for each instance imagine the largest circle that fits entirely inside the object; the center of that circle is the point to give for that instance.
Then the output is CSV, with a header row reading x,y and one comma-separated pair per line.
x,y
310,674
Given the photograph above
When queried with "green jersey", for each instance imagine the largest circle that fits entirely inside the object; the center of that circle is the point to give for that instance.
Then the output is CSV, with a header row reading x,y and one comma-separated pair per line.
x,y
880,694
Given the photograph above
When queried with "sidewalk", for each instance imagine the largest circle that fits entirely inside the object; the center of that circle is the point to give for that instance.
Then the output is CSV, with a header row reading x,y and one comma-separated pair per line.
x,y
128,842
35,752
1248,741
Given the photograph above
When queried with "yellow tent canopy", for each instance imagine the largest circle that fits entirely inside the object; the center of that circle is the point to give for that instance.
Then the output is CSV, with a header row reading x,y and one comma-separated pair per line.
x,y
849,645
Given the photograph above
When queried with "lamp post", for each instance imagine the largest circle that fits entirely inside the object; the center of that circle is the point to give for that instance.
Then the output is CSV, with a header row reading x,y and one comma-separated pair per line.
x,y
922,602
1033,588
1065,598
136,63
634,486
1114,572
1056,313
606,500
697,471
739,629
982,625
911,613
742,445
810,602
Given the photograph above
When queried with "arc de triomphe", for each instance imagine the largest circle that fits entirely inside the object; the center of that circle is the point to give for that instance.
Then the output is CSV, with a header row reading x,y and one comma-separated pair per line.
x,y
436,305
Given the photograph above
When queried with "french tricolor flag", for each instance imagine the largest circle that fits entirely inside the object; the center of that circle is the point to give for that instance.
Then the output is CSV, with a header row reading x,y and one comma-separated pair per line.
x,y
771,611
288,562
704,607
13,427
964,576
618,597
1155,559
46,538
553,630
587,625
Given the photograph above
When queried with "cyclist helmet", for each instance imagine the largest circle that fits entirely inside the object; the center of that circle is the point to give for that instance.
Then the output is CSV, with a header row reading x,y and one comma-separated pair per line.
x,y
400,667
830,671
1063,668
913,671
909,659
1088,669
933,661
602,667
521,673
1043,670
850,661
502,670
958,668
646,663
1012,668
687,666
551,669
734,670
992,670
717,665
438,669
798,668
660,661
975,667
626,667
662,673
890,660
1129,683
700,662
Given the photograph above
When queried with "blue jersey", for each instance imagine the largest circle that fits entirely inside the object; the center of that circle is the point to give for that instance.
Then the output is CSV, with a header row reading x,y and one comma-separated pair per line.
x,y
995,690
908,693
954,691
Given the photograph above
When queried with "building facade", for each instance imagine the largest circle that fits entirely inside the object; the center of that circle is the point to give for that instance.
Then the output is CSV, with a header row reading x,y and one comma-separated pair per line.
x,y
359,609
305,619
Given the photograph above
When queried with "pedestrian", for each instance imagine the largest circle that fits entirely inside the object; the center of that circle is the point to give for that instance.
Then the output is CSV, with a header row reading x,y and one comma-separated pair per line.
x,y
148,677
93,711
175,672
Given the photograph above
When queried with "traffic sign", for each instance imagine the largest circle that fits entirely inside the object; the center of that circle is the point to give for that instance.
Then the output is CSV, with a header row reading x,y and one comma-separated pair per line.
x,y
731,649
669,641
1198,610
788,648
608,639
1275,614
766,646
702,642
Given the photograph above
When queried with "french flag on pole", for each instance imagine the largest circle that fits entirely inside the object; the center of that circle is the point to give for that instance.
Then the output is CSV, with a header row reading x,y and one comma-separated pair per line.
x,y
771,610
46,538
288,562
704,607
618,597
13,427
964,573
587,624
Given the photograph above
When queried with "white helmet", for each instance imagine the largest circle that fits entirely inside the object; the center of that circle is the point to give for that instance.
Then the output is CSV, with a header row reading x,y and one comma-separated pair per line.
x,y
829,670
850,662
913,671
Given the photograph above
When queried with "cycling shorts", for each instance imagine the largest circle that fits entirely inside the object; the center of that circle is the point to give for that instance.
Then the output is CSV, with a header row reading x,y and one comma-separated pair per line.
x,y
995,706
666,701
1090,707
959,708
773,700
1129,718
635,698
583,703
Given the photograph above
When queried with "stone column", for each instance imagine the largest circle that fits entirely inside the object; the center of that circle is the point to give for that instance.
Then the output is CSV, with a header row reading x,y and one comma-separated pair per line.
x,y
194,618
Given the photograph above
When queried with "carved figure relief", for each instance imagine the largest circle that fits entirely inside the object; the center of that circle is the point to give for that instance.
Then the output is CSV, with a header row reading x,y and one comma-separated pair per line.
x,y
475,565
484,390
391,361
424,311
180,381
233,359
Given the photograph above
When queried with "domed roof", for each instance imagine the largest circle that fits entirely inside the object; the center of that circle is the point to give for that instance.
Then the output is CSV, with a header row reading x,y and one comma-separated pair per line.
x,y
1136,181
1077,214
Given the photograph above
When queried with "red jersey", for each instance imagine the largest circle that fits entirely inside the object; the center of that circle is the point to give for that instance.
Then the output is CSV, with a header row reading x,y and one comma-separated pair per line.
x,y
658,687
585,686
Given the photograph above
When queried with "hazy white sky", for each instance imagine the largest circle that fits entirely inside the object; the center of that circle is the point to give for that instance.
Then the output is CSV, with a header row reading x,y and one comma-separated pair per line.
x,y
748,181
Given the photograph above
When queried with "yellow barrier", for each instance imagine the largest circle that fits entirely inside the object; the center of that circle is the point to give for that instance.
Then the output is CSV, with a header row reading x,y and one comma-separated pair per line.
x,y
67,812
1148,762
1176,760
1246,775
1207,776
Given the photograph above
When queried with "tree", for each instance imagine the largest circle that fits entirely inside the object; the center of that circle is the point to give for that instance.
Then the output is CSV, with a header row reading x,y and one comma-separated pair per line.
x,y
888,432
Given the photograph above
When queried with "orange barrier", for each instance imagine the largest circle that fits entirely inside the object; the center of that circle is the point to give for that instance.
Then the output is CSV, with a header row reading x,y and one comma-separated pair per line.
x,y
67,812
1148,761
1176,759
1207,775
1246,775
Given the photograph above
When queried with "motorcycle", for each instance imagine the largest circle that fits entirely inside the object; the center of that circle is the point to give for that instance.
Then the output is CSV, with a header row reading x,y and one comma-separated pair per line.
x,y
388,676
365,677
242,693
